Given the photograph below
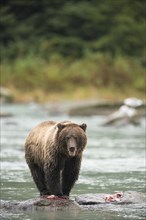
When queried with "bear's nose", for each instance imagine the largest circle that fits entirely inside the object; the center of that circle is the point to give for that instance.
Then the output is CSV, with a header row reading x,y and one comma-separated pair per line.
x,y
72,149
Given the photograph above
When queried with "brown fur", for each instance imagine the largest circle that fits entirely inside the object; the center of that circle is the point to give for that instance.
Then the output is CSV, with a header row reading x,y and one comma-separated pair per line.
x,y
53,147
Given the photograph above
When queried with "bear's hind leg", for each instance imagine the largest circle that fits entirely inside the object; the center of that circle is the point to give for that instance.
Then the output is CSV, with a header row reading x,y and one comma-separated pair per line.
x,y
39,179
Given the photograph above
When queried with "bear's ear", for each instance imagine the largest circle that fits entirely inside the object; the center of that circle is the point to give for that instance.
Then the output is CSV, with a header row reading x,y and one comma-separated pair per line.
x,y
83,126
60,126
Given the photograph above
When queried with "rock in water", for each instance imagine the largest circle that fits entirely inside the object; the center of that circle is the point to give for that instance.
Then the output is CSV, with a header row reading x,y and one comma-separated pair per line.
x,y
129,197
39,204
85,202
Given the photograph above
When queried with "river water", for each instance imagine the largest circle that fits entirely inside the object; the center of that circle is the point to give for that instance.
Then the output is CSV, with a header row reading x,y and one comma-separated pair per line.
x,y
114,160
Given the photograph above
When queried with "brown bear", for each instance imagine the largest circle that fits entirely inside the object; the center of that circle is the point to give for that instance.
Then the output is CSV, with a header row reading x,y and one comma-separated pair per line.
x,y
53,152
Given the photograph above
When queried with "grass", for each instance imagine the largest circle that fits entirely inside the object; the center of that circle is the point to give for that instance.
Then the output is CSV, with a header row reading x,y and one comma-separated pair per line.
x,y
94,76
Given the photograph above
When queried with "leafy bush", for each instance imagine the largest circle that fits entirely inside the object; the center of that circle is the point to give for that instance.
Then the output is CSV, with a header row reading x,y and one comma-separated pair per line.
x,y
71,28
59,74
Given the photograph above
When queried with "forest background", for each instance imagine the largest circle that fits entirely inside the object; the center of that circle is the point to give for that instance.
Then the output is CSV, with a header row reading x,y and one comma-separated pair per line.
x,y
73,49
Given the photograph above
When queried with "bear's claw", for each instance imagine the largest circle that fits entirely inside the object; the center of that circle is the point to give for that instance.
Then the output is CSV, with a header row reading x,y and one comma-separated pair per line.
x,y
56,197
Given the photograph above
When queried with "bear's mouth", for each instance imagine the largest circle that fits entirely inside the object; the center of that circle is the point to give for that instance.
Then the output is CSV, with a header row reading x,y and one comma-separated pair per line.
x,y
72,151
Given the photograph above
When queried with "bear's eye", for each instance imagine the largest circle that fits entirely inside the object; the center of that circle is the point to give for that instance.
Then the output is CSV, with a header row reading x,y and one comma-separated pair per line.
x,y
75,138
67,138
71,137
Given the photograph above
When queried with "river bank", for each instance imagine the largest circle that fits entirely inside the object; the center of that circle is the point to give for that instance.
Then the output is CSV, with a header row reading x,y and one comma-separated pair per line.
x,y
73,106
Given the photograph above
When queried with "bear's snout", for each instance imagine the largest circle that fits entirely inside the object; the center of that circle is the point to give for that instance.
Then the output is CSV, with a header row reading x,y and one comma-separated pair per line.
x,y
71,146
72,151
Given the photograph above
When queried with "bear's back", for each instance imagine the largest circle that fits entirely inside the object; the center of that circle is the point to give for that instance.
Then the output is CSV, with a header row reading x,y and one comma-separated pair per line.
x,y
35,145
40,132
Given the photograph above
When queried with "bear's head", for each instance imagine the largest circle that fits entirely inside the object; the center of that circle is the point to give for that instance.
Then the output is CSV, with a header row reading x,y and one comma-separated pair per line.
x,y
71,138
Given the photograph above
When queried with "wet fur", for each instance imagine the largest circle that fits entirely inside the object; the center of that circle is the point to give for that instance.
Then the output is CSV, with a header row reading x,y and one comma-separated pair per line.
x,y
53,170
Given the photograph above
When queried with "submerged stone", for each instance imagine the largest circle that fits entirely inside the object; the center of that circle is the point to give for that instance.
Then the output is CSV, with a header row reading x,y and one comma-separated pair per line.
x,y
129,197
39,204
85,201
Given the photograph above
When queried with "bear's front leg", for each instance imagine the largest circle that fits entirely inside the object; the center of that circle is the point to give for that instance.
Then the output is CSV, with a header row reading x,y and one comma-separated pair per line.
x,y
70,174
52,178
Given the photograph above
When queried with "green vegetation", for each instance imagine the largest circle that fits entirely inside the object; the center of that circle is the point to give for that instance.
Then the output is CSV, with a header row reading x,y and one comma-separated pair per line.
x,y
80,78
75,48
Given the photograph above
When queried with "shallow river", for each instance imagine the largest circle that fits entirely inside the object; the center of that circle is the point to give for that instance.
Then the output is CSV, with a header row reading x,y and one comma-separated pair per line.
x,y
114,160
